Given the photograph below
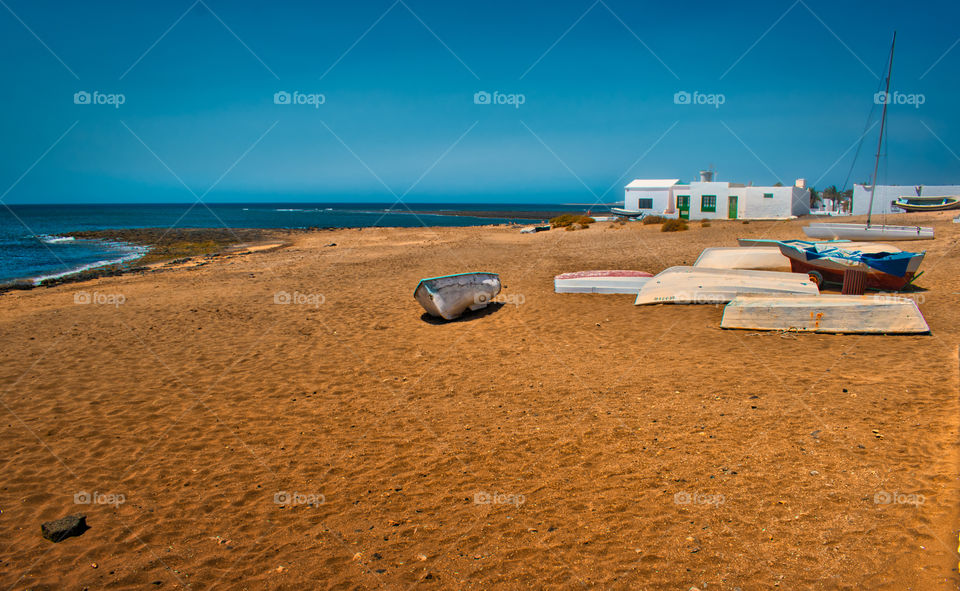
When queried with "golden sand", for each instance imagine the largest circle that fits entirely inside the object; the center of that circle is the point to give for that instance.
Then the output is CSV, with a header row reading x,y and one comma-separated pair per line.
x,y
557,441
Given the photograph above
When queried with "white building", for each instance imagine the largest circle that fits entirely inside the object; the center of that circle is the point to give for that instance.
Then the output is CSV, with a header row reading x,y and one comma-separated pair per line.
x,y
886,194
709,199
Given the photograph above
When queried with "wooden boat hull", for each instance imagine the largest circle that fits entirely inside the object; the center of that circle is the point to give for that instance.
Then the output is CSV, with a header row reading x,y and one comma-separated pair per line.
x,y
697,285
832,271
764,258
450,296
866,314
928,203
613,281
837,231
846,244
630,213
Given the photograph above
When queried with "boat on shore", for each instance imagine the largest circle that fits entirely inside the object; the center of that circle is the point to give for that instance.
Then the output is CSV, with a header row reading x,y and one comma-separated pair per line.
x,y
763,258
449,296
630,213
853,314
699,285
844,244
890,271
928,203
867,232
607,281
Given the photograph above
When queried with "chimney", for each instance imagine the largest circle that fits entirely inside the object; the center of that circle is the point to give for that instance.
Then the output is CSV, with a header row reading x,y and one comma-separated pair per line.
x,y
801,183
706,176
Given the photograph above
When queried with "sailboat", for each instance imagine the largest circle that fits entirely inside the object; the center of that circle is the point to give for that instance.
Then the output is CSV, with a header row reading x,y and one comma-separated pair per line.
x,y
869,231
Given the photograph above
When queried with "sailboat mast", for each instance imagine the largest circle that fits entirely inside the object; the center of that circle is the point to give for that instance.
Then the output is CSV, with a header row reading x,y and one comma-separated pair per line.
x,y
883,121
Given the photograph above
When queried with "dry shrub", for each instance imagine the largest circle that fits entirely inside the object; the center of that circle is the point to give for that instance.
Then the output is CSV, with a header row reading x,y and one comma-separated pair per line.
x,y
569,219
674,226
654,219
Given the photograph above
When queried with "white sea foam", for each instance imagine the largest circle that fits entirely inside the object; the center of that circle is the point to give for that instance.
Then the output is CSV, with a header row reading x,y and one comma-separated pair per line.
x,y
55,239
133,252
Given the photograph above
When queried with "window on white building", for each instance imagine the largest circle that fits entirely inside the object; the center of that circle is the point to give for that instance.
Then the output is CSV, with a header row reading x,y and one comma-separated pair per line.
x,y
708,203
645,203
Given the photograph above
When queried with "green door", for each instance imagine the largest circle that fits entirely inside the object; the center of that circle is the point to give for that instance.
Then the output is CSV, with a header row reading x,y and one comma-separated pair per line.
x,y
732,207
683,206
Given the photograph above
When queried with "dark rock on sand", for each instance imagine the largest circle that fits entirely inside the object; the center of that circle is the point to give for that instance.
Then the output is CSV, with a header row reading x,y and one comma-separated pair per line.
x,y
65,527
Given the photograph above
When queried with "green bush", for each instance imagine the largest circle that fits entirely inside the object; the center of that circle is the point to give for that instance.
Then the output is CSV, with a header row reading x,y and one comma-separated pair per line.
x,y
674,226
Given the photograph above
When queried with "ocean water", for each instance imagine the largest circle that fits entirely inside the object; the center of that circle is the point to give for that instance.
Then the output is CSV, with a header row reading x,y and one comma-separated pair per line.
x,y
33,245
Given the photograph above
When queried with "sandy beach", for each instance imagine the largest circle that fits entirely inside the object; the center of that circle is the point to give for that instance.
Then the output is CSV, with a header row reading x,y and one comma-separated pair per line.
x,y
289,419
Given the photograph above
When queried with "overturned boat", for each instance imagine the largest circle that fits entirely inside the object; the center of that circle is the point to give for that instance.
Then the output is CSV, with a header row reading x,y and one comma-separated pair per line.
x,y
854,314
450,296
611,281
699,285
763,258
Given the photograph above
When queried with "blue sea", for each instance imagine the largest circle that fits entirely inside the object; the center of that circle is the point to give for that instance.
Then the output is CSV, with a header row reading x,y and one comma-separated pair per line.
x,y
33,244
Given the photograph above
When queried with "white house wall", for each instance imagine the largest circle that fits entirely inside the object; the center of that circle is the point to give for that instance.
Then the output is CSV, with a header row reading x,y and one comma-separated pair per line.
x,y
751,203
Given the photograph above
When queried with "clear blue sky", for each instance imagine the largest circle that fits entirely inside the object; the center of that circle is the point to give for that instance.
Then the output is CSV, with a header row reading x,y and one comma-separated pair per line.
x,y
598,82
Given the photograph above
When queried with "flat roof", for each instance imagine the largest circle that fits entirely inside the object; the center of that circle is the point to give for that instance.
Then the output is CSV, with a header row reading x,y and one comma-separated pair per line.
x,y
652,183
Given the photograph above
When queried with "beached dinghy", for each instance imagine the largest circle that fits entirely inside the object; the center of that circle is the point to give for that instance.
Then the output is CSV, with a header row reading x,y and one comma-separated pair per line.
x,y
870,314
601,282
867,232
450,296
764,258
844,244
891,271
698,285
928,203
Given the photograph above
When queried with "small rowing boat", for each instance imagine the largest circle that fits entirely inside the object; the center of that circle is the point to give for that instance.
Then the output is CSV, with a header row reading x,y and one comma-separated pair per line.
x,y
450,296
889,271
615,281
928,203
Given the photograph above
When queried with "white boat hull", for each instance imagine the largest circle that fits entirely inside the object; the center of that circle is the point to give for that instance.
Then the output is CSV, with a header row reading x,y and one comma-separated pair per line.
x,y
450,296
697,285
829,231
764,258
627,282
865,314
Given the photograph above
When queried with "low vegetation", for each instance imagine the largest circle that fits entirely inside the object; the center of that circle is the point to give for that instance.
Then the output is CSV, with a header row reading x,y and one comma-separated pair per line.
x,y
653,219
571,221
705,223
674,226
